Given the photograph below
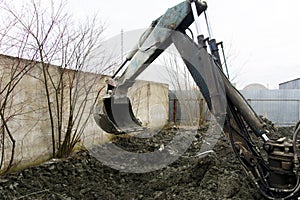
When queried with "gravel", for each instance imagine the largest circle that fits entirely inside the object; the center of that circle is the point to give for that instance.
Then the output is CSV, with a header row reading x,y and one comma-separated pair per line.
x,y
217,175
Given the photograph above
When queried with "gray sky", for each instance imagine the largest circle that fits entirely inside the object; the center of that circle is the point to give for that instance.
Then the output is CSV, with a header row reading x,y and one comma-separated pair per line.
x,y
261,38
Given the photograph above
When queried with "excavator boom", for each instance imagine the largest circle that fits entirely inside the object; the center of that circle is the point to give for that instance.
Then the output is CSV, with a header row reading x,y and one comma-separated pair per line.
x,y
276,176
115,115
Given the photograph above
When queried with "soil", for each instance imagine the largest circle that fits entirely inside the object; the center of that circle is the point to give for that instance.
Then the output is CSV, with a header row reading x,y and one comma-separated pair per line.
x,y
218,175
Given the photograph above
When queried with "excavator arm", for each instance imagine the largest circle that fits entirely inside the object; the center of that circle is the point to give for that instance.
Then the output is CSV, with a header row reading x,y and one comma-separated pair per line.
x,y
276,172
150,45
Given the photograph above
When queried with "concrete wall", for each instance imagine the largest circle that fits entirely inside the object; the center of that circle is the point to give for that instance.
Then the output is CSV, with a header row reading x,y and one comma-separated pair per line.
x,y
29,122
187,108
150,103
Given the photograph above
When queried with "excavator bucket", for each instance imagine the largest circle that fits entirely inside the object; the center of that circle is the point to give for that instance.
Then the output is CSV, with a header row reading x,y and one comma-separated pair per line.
x,y
115,115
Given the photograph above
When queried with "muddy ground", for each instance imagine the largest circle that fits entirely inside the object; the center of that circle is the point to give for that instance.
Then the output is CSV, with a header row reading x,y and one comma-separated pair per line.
x,y
217,175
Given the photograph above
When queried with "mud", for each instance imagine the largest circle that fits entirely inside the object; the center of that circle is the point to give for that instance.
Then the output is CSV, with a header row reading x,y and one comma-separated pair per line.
x,y
217,175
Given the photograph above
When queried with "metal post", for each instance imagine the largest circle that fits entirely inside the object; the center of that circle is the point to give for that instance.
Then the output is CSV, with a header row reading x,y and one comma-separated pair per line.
x,y
122,45
196,18
174,112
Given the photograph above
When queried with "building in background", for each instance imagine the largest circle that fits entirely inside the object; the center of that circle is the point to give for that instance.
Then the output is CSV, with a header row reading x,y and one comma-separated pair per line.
x,y
255,86
293,84
187,108
281,106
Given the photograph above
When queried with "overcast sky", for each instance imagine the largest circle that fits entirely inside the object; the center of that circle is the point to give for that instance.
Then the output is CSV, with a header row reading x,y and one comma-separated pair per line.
x,y
261,38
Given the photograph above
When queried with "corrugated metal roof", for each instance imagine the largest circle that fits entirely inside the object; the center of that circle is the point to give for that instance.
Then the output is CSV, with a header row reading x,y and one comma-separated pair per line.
x,y
292,84
288,94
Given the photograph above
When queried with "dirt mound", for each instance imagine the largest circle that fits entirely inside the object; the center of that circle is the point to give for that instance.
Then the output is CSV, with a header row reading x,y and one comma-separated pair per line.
x,y
218,175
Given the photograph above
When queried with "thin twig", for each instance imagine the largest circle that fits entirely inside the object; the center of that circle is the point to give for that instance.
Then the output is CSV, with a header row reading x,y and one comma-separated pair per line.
x,y
30,194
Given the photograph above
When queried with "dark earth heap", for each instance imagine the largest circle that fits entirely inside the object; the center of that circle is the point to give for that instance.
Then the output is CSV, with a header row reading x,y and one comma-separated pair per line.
x,y
215,176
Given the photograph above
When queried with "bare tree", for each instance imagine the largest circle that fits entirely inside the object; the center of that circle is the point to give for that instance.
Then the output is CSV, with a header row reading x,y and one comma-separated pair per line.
x,y
64,49
10,78
12,72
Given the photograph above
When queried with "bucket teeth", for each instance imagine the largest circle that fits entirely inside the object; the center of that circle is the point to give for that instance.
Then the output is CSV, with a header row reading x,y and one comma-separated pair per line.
x,y
115,116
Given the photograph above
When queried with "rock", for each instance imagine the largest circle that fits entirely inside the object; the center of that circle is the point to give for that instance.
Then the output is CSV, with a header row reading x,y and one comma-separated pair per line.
x,y
2,180
214,176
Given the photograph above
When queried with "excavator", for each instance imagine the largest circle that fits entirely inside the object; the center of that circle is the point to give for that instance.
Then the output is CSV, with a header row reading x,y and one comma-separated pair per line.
x,y
271,163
